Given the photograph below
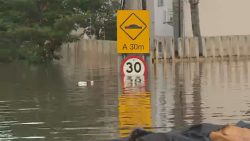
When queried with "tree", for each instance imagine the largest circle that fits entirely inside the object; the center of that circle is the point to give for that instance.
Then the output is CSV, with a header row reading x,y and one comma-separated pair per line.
x,y
102,22
34,29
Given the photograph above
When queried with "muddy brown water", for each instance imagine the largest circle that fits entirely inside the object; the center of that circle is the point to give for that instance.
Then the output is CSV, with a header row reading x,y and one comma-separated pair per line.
x,y
45,103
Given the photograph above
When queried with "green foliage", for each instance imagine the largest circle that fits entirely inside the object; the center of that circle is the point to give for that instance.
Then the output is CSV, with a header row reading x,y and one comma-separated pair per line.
x,y
105,18
34,29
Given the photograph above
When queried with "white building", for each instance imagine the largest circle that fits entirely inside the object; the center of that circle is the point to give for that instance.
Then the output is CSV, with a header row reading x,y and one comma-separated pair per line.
x,y
162,17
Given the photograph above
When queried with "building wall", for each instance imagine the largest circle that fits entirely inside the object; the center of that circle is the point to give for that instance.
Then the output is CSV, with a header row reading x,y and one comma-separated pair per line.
x,y
224,17
161,28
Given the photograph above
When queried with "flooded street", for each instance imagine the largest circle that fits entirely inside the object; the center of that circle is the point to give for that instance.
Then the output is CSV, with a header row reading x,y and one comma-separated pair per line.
x,y
45,103
191,93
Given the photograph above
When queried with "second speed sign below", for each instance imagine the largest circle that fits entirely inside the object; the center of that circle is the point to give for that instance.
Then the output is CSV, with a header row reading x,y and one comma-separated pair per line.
x,y
133,66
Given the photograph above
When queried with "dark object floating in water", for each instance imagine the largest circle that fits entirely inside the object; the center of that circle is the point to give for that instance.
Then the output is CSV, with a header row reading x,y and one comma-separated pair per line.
x,y
199,132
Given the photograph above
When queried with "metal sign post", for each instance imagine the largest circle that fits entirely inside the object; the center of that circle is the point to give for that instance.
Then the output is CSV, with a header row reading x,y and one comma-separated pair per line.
x,y
133,47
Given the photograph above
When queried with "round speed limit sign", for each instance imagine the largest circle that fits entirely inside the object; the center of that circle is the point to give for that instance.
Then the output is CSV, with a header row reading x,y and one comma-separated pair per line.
x,y
133,66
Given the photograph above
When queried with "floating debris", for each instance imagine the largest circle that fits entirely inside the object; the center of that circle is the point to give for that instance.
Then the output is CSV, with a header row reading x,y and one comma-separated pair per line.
x,y
85,83
82,84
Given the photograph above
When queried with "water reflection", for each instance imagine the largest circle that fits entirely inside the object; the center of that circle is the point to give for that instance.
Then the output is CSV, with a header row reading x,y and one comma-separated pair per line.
x,y
134,105
191,93
134,112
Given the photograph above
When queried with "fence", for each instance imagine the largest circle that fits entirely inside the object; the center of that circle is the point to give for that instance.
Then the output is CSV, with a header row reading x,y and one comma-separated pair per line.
x,y
100,54
212,47
164,48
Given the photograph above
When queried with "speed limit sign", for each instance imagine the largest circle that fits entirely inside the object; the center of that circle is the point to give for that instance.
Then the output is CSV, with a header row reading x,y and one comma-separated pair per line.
x,y
133,66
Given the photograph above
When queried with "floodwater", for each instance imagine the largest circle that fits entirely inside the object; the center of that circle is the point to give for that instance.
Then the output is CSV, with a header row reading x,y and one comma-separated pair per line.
x,y
45,103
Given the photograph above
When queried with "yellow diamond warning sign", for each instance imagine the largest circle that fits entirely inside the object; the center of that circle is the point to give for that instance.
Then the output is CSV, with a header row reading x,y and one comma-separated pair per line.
x,y
133,26
133,31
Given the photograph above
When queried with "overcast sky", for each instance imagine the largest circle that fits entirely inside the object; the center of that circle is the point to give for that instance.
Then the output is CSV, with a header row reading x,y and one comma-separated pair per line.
x,y
225,17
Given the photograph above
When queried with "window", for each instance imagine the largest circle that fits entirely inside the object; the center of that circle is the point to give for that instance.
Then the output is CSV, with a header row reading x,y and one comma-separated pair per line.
x,y
168,16
160,3
164,17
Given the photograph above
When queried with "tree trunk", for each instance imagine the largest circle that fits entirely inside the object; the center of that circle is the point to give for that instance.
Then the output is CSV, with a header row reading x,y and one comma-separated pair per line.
x,y
194,6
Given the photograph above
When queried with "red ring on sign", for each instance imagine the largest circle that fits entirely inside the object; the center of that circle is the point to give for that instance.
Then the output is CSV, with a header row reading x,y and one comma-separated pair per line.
x,y
137,57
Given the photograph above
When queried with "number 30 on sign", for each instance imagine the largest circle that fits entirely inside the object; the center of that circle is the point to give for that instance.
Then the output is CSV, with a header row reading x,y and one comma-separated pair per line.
x,y
133,66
